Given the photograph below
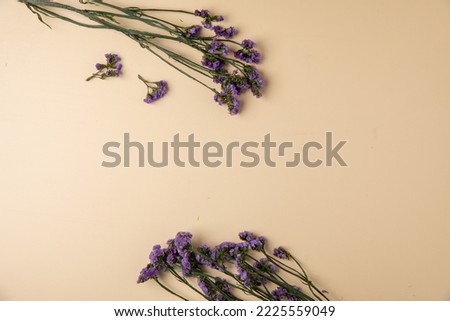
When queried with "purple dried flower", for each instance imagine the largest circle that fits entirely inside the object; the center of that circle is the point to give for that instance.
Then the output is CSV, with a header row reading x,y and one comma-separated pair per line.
x,y
172,253
186,266
280,253
201,13
226,33
147,273
212,62
242,274
157,255
247,275
247,53
255,242
171,259
255,80
219,79
250,56
235,110
182,241
155,90
218,47
265,265
222,289
202,284
248,44
227,252
203,256
207,25
280,294
208,19
118,69
112,68
229,97
193,31
246,235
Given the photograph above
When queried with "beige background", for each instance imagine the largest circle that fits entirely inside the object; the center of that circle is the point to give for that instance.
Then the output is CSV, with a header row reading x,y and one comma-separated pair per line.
x,y
375,73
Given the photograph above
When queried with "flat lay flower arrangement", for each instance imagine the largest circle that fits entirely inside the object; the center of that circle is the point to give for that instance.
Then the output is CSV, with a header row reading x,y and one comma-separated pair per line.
x,y
231,271
227,67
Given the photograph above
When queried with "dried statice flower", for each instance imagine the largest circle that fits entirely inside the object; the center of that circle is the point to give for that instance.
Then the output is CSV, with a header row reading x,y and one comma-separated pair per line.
x,y
111,68
247,53
155,90
148,273
193,31
280,253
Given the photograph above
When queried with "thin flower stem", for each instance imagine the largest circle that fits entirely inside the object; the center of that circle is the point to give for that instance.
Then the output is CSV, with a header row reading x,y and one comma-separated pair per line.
x,y
94,16
285,285
310,284
188,63
52,14
180,70
170,291
129,33
131,16
280,263
169,10
303,277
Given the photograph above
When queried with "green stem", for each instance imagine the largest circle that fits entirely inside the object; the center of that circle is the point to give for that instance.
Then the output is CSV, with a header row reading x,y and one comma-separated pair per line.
x,y
310,284
170,291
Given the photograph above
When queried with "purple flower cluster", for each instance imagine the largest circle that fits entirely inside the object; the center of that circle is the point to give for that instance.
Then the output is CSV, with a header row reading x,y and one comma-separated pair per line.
x,y
254,242
148,273
155,90
208,19
216,60
112,67
248,275
229,96
227,252
180,251
281,253
202,283
255,80
215,290
213,62
192,31
157,255
218,47
253,273
247,53
234,84
226,33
